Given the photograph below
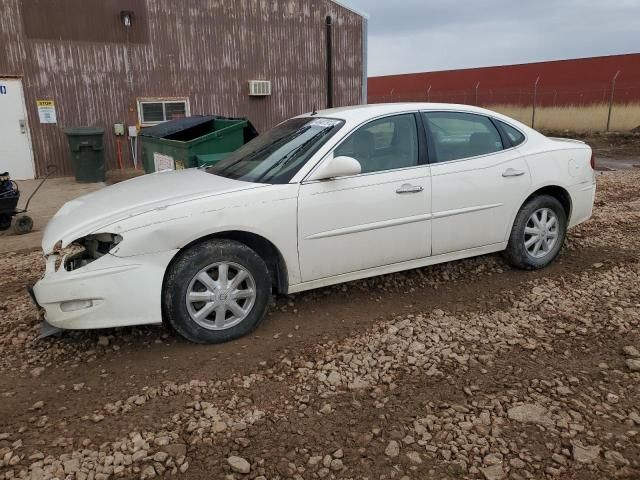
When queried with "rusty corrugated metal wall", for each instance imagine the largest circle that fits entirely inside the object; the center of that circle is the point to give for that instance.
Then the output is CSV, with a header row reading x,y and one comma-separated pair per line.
x,y
582,81
206,50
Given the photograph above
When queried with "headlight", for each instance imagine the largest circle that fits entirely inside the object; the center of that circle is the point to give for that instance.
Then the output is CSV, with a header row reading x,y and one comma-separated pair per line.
x,y
85,250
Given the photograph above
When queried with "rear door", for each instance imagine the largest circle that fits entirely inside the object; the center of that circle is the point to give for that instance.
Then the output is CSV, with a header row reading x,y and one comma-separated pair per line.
x,y
478,180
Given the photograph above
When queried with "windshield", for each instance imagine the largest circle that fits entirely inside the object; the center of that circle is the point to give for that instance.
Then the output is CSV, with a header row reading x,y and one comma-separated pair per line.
x,y
277,155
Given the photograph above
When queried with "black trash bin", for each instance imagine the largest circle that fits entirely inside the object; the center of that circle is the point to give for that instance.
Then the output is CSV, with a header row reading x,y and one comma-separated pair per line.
x,y
87,153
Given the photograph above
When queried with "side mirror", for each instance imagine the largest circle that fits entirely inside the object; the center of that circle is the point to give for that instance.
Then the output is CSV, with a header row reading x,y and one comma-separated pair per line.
x,y
337,167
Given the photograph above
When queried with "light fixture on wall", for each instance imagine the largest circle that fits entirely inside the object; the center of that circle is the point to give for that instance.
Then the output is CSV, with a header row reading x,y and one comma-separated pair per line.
x,y
126,17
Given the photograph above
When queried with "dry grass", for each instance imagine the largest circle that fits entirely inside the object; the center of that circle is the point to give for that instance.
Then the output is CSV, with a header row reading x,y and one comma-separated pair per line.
x,y
577,118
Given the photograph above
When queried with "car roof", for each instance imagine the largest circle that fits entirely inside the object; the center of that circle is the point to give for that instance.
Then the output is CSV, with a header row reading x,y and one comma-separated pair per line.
x,y
357,114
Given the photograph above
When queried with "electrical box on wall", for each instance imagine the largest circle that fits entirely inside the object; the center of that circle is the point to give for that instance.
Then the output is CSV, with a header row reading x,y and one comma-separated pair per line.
x,y
133,131
259,88
118,129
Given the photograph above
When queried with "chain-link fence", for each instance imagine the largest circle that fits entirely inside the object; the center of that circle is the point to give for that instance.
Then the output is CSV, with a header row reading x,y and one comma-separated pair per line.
x,y
597,107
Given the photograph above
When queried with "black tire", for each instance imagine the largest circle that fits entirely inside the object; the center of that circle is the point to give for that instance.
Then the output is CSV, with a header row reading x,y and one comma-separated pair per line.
x,y
194,260
5,222
516,253
23,224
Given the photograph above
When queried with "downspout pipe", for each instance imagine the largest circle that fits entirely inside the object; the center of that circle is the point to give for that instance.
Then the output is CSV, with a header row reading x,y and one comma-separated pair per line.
x,y
329,23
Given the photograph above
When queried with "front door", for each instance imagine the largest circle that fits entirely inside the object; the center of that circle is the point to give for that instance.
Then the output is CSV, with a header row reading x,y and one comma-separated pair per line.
x,y
477,181
377,218
16,156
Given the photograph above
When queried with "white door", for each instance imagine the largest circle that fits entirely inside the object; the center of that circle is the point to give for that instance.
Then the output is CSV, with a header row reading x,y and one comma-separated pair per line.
x,y
16,156
377,218
477,181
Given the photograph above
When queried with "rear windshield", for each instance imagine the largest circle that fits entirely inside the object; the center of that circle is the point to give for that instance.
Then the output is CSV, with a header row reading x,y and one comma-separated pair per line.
x,y
277,155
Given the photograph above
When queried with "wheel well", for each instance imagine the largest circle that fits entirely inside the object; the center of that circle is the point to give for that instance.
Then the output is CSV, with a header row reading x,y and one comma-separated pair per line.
x,y
263,247
559,194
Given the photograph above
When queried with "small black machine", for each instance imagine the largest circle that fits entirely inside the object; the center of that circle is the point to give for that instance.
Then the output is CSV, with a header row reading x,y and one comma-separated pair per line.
x,y
9,197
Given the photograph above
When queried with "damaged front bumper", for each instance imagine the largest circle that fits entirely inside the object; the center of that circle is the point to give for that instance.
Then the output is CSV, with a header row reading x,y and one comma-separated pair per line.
x,y
108,292
46,329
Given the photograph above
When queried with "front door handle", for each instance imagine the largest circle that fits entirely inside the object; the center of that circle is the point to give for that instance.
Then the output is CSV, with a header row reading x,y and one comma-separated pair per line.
x,y
23,126
512,173
408,188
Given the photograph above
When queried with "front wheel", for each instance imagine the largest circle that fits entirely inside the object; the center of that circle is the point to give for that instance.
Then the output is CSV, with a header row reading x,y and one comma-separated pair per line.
x,y
216,291
538,233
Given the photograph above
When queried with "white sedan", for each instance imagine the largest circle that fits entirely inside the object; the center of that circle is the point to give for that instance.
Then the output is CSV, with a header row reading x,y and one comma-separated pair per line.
x,y
323,198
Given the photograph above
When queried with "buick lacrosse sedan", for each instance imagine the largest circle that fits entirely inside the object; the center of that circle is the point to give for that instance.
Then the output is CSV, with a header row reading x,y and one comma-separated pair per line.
x,y
323,198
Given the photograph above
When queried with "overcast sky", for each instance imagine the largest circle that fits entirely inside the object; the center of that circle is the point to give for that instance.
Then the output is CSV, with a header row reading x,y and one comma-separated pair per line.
x,y
425,35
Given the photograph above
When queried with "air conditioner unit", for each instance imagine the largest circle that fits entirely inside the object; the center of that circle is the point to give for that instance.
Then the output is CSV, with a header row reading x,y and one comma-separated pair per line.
x,y
259,88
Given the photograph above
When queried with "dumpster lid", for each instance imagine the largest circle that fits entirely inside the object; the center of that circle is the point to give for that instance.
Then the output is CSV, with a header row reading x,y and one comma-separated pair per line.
x,y
166,129
84,130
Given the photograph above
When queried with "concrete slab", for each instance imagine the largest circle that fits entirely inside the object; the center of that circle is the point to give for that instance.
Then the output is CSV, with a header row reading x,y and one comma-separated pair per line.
x,y
608,163
54,193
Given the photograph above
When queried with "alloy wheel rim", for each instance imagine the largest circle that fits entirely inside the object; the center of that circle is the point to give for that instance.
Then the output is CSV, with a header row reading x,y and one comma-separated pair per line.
x,y
541,233
221,295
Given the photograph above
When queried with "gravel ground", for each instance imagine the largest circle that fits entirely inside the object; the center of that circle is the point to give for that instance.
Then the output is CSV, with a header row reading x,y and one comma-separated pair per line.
x,y
464,370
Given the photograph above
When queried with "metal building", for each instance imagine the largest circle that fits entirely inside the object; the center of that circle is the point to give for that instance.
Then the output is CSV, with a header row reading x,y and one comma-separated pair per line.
x,y
65,63
582,81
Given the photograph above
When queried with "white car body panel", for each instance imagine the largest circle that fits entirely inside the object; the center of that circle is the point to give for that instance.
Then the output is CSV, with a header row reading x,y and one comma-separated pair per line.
x,y
365,210
397,267
124,292
131,198
326,232
485,215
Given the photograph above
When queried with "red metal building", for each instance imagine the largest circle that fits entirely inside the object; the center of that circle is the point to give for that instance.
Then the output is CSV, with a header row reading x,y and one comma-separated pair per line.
x,y
565,82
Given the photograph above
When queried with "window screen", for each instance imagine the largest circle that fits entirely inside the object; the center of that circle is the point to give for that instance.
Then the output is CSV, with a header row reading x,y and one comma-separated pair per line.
x,y
152,112
515,136
462,135
175,110
385,144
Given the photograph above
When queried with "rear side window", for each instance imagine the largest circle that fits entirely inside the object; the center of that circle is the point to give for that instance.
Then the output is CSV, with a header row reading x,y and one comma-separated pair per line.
x,y
515,136
456,135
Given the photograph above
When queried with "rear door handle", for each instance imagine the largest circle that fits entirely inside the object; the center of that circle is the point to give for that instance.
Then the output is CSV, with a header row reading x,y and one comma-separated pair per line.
x,y
510,172
408,188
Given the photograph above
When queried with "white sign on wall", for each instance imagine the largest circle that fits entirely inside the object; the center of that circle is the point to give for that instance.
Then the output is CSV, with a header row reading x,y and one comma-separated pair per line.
x,y
47,111
163,162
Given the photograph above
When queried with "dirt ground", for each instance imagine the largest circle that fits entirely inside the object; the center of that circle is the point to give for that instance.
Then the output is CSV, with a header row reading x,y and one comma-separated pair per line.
x,y
464,370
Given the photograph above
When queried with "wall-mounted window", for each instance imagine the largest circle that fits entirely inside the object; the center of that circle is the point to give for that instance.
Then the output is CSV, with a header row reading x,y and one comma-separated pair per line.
x,y
157,110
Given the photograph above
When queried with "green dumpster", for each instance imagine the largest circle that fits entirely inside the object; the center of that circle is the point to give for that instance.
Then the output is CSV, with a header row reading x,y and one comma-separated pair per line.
x,y
178,144
87,153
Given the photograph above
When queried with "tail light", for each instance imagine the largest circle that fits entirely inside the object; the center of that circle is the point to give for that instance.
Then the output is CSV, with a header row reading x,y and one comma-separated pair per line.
x,y
593,160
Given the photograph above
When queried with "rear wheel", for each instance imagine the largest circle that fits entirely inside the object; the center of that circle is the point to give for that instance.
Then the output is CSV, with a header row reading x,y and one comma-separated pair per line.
x,y
216,291
538,233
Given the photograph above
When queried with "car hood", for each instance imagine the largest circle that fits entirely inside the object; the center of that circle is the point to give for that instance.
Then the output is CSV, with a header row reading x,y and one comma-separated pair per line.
x,y
124,200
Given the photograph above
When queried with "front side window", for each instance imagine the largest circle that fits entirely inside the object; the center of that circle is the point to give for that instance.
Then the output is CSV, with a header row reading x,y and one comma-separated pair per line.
x,y
385,144
515,136
277,155
456,135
